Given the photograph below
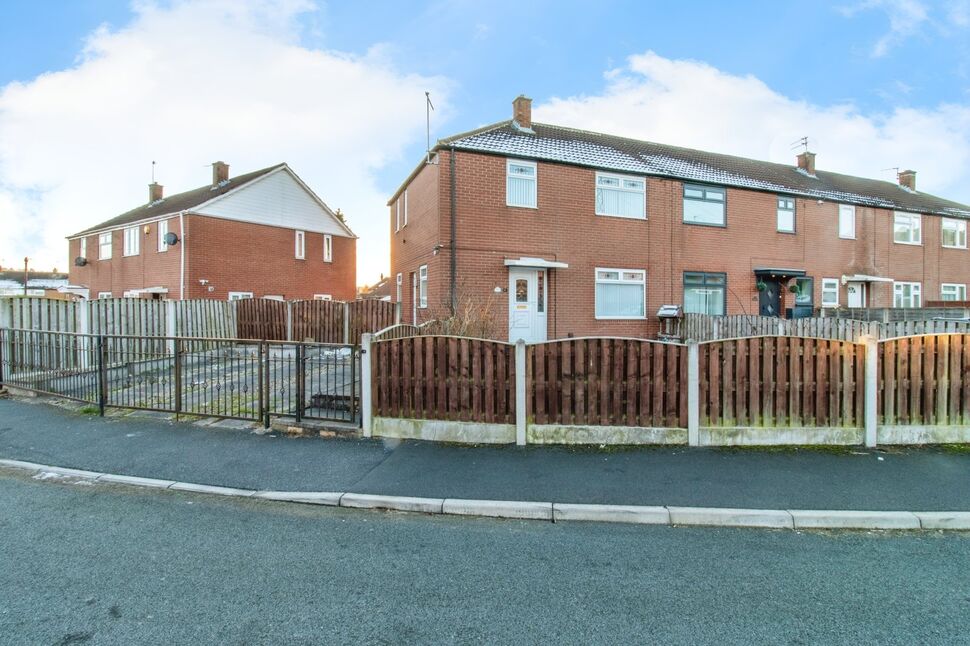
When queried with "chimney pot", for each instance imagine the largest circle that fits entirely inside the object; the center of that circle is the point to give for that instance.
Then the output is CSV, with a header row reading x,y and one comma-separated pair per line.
x,y
806,161
907,179
154,192
522,111
220,172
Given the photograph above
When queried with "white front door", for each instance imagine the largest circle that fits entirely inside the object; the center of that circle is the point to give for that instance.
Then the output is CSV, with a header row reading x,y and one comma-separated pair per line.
x,y
527,304
856,292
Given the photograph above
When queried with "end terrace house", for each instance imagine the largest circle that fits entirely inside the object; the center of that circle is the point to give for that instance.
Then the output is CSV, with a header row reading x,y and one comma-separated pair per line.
x,y
260,234
560,232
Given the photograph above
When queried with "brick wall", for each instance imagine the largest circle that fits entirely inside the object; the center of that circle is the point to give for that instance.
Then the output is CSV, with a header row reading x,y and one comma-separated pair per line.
x,y
229,255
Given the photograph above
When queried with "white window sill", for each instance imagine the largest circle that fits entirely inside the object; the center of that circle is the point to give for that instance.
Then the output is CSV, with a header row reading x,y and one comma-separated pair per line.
x,y
946,246
842,237
622,217
620,318
130,255
911,244
521,206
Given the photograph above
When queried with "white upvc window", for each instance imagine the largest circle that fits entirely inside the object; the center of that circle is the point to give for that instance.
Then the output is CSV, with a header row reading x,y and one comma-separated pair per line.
x,y
786,215
521,183
132,240
907,294
704,205
397,215
847,221
400,284
621,196
907,228
954,233
621,293
404,223
162,232
102,295
953,292
82,247
322,297
238,296
300,245
423,286
830,292
104,246
327,247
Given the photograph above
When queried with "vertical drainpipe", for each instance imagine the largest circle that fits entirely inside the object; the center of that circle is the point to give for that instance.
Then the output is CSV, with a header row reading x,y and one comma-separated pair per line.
x,y
182,255
454,234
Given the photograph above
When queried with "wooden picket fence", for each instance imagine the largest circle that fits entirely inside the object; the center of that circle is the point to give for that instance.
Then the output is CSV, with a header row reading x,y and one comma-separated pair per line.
x,y
444,378
320,321
205,318
781,382
924,380
369,316
608,382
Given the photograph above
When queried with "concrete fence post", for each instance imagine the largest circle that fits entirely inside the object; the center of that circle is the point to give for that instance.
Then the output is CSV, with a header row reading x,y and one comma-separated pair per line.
x,y
289,320
366,395
346,323
693,394
520,393
872,382
83,326
6,312
170,324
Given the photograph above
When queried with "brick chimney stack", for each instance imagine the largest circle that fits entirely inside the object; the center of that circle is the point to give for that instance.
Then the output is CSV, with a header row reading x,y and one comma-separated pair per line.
x,y
806,161
907,179
522,111
220,172
154,192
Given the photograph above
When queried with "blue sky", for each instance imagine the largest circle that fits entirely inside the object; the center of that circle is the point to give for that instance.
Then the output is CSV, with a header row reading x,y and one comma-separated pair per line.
x,y
884,63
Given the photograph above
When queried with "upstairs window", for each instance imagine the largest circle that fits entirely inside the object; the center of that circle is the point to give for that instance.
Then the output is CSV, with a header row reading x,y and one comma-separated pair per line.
x,y
299,250
954,233
520,184
786,215
953,292
397,215
704,205
704,292
907,294
405,222
847,221
830,292
104,246
327,248
907,228
621,293
132,240
423,286
620,196
82,247
162,232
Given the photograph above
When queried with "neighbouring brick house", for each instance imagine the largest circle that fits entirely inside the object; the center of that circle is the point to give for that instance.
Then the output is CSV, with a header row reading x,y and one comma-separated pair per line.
x,y
261,234
580,233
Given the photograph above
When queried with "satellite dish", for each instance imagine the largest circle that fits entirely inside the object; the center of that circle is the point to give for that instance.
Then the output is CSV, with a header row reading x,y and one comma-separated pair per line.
x,y
171,239
80,261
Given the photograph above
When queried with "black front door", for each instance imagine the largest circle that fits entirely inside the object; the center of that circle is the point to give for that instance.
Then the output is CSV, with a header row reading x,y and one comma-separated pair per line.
x,y
769,299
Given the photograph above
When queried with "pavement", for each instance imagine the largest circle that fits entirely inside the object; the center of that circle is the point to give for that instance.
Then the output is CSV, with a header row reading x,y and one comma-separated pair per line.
x,y
919,479
104,564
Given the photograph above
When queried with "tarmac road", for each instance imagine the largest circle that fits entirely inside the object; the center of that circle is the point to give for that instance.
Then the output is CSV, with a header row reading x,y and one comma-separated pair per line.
x,y
101,564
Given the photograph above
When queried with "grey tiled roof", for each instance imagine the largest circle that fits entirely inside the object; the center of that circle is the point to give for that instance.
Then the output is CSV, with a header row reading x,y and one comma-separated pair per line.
x,y
180,201
608,152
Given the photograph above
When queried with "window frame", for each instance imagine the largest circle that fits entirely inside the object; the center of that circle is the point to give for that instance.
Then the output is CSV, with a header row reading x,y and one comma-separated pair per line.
x,y
826,287
405,223
509,162
962,227
131,238
619,281
913,217
104,295
961,290
400,287
705,285
811,291
397,215
239,296
850,209
423,287
323,297
327,247
779,210
705,188
622,189
162,232
82,247
299,245
914,296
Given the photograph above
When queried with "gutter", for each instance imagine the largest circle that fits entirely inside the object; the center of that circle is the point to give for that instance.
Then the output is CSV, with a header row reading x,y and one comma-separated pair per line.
x,y
182,255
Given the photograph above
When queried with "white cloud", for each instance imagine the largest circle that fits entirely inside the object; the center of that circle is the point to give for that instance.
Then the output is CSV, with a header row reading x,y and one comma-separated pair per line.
x,y
188,84
692,104
906,18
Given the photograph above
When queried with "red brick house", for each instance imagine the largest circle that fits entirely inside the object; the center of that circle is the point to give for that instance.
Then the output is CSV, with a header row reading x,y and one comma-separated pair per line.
x,y
580,233
261,234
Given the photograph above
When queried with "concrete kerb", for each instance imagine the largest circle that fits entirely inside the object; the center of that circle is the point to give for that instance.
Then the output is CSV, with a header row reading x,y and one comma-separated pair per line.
x,y
555,512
